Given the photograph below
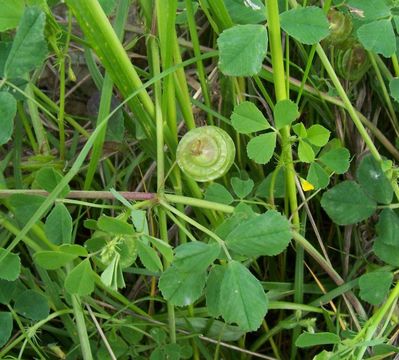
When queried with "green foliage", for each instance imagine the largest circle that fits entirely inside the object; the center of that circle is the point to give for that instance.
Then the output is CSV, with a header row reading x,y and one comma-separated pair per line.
x,y
195,256
306,340
6,327
112,276
107,5
149,257
285,112
32,305
242,188
47,179
29,48
261,148
181,288
378,36
394,88
222,249
305,152
241,13
264,188
10,265
114,226
51,260
58,226
80,280
8,109
214,302
318,135
247,118
308,25
387,227
337,160
267,234
386,243
317,176
163,247
373,180
247,302
7,289
374,286
11,13
242,50
371,10
347,203
218,193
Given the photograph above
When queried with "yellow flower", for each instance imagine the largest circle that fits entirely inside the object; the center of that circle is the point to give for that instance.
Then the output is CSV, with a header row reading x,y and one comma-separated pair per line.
x,y
306,185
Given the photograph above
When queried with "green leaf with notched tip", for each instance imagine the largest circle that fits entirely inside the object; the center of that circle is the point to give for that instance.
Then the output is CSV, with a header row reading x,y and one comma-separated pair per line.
x,y
285,112
261,148
247,118
242,49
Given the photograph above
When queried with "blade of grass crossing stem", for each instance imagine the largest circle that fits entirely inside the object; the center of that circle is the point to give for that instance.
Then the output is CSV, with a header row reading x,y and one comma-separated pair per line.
x,y
182,92
385,93
192,26
221,14
84,152
352,112
106,97
281,94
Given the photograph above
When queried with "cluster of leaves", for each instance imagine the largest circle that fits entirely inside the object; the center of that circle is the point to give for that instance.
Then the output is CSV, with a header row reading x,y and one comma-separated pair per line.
x,y
333,158
247,235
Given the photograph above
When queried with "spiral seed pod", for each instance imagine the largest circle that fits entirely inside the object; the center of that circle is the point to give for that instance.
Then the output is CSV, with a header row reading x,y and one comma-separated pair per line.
x,y
352,63
340,28
205,153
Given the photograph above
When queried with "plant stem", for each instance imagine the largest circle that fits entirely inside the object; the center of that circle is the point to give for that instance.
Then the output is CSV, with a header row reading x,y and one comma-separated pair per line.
x,y
385,93
286,152
163,226
81,328
395,64
106,98
348,105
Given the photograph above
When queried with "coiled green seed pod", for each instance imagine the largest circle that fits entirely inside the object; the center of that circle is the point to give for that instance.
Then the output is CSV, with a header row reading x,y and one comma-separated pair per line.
x,y
352,63
340,28
205,153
